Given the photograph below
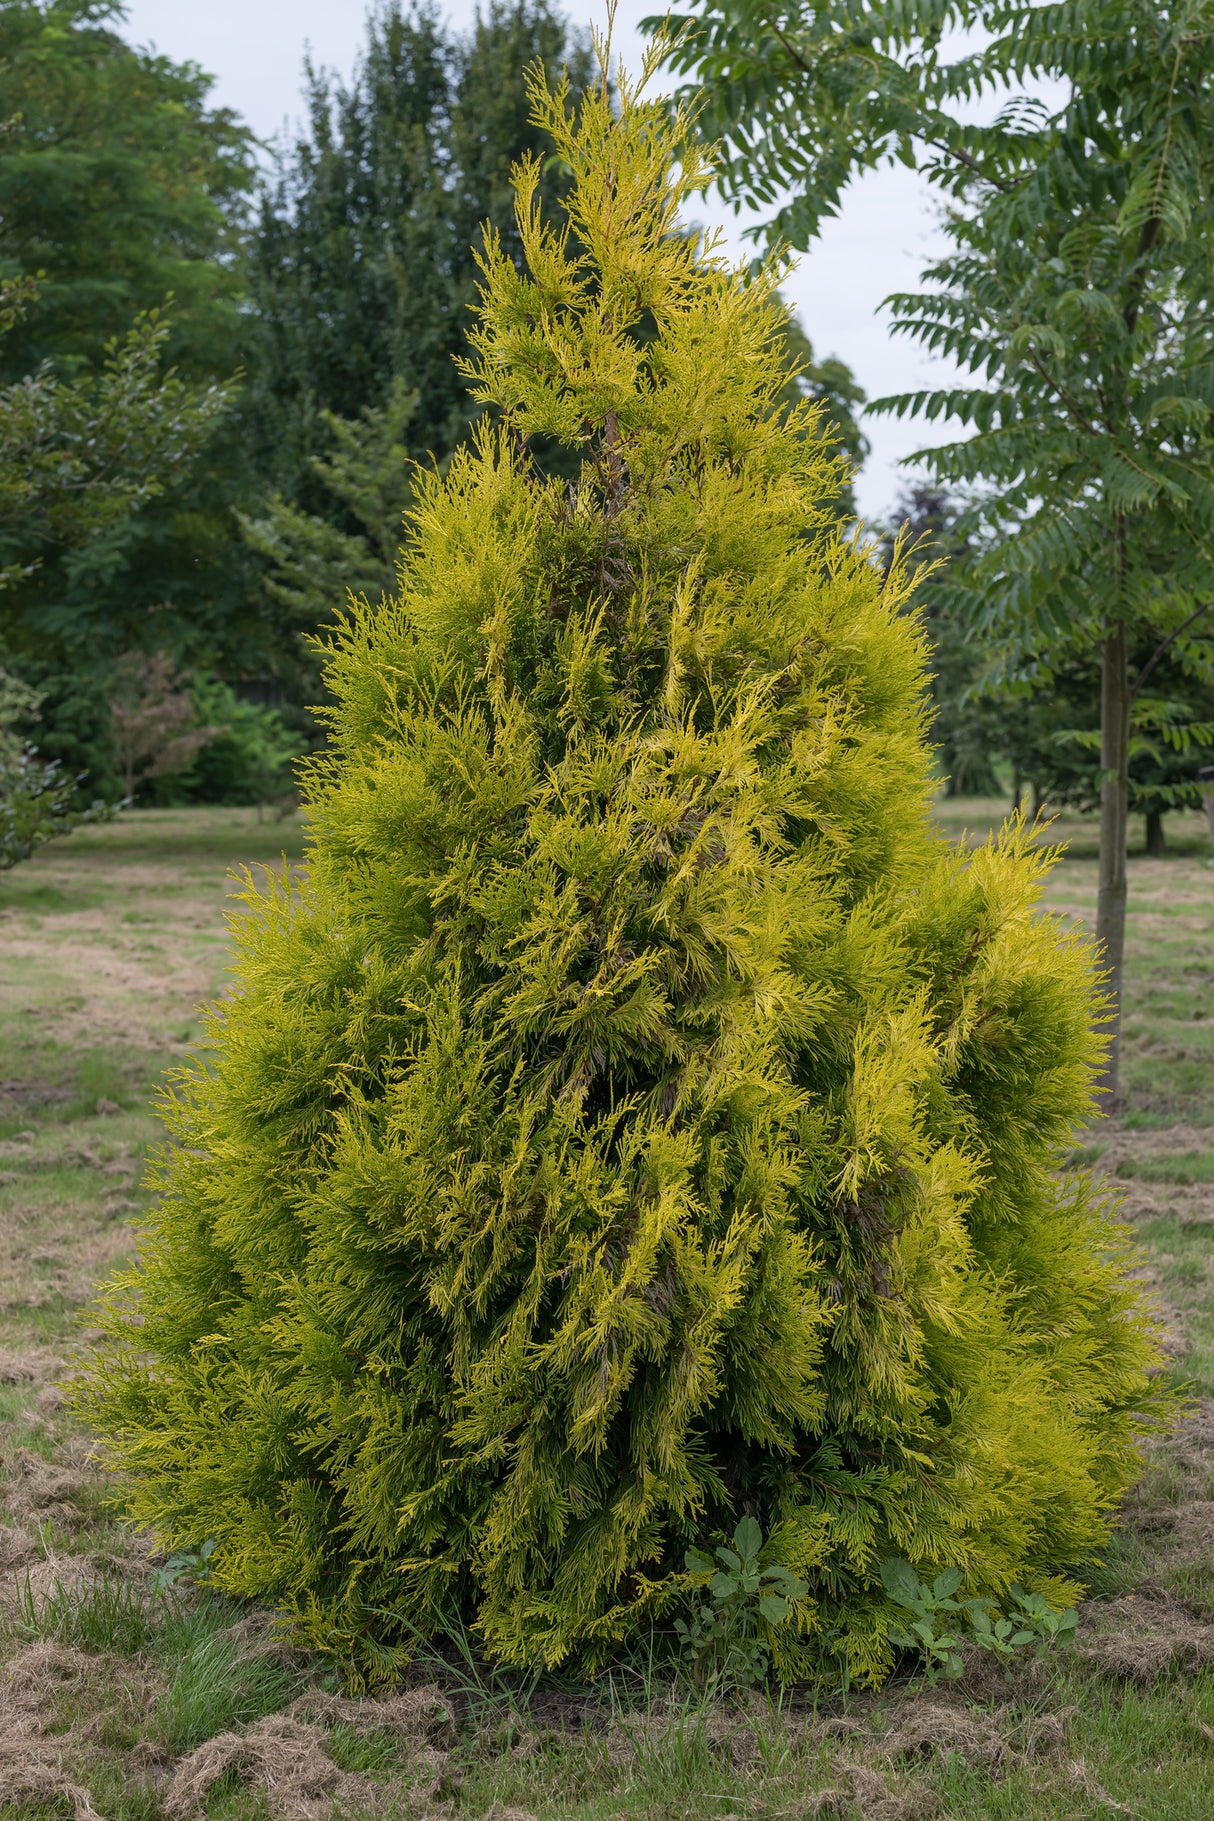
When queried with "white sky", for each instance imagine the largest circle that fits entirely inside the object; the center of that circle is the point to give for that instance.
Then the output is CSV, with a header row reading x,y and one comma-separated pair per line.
x,y
880,242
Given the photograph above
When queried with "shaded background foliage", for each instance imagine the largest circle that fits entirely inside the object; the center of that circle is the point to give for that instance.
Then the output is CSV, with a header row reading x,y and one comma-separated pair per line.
x,y
325,284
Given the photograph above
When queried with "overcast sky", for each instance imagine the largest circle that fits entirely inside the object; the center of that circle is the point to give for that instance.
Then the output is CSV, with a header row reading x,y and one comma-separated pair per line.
x,y
879,244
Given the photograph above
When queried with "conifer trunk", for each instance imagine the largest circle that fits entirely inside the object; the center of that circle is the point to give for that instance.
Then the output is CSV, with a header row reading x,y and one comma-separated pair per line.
x,y
1114,811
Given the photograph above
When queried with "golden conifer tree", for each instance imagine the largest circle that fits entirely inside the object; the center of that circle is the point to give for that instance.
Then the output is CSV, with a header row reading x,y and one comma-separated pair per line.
x,y
637,1117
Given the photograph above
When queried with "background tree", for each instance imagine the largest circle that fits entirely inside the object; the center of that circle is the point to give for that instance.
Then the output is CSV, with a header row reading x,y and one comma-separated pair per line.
x,y
1050,731
37,798
830,383
155,722
363,270
120,187
77,456
1078,289
362,265
968,728
313,566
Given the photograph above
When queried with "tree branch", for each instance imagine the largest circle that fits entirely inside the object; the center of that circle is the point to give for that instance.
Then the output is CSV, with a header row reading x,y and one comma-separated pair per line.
x,y
1161,648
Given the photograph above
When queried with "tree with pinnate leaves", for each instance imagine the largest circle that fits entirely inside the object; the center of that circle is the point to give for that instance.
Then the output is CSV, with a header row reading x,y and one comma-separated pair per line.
x,y
1075,297
636,1119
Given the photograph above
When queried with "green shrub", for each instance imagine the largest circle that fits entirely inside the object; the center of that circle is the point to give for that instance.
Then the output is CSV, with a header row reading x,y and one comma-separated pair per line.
x,y
249,758
38,803
638,1118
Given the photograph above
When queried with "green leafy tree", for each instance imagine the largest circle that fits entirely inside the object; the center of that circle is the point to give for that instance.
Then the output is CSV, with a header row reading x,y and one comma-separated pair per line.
x,y
1076,293
252,757
363,268
76,456
1051,733
120,188
637,1119
968,726
79,456
831,384
312,566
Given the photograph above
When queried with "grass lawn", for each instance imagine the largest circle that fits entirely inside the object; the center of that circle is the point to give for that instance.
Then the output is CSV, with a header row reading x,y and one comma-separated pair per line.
x,y
121,1701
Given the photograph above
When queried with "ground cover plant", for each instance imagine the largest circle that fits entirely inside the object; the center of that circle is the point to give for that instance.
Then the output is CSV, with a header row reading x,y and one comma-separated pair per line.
x,y
640,1120
107,942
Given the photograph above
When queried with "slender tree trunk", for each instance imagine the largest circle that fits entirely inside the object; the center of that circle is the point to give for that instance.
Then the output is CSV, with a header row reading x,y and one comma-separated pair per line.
x,y
1157,845
1114,795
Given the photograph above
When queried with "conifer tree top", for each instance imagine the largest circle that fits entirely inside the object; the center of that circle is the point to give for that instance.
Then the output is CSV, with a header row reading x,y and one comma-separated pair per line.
x,y
622,322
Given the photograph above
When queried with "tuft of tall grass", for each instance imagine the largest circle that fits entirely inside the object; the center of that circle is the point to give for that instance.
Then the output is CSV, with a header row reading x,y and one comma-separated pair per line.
x,y
218,1681
106,1613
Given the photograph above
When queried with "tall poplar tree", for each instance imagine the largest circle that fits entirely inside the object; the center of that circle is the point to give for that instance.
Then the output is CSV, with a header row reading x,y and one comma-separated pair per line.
x,y
363,273
1077,294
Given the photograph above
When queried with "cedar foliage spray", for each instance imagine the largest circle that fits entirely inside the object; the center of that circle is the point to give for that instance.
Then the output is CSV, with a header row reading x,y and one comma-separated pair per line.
x,y
637,1117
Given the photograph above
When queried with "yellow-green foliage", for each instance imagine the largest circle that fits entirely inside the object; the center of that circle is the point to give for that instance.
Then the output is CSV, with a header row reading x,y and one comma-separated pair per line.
x,y
636,1117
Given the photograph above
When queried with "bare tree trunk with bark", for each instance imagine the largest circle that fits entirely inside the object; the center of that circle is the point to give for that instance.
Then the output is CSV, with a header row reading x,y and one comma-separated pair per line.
x,y
1114,815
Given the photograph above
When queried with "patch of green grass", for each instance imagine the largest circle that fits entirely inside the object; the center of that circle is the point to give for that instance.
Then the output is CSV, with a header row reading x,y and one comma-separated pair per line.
x,y
119,1798
370,1754
1121,1566
1193,1583
14,1404
1182,1256
1143,1119
1173,1166
230,1799
218,1680
105,1614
